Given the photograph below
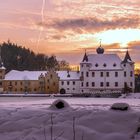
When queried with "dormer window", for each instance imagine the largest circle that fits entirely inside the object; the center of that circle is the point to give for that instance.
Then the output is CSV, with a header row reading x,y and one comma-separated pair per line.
x,y
96,65
114,65
68,74
104,65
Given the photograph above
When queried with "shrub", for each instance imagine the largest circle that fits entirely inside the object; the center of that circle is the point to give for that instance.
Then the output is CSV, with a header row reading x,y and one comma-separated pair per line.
x,y
120,106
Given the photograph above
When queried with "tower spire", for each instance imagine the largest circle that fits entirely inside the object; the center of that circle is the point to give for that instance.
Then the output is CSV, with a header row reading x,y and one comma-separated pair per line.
x,y
85,56
100,42
127,57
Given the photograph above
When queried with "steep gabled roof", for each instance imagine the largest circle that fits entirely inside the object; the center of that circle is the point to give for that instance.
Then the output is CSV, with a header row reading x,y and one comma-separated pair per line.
x,y
104,62
85,59
127,58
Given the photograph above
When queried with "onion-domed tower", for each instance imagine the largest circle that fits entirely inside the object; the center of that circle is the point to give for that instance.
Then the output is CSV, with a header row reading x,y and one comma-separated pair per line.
x,y
100,50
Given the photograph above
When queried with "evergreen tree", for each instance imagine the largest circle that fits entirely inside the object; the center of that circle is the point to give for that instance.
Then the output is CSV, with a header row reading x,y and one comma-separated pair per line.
x,y
16,57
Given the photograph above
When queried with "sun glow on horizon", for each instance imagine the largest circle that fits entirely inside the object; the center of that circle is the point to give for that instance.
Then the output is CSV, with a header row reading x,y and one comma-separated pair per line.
x,y
122,36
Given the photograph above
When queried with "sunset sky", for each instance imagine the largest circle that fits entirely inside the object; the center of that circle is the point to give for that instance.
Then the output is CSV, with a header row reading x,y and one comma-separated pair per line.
x,y
66,28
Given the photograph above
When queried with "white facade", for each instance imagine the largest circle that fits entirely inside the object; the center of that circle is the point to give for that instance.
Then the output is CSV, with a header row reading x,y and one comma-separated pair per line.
x,y
69,81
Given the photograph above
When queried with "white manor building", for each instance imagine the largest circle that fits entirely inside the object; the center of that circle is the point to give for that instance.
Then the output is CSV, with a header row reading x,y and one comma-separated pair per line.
x,y
99,73
106,72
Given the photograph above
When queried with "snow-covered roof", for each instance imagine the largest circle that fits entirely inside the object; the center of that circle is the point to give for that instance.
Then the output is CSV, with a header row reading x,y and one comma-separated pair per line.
x,y
64,75
33,75
23,75
104,61
3,68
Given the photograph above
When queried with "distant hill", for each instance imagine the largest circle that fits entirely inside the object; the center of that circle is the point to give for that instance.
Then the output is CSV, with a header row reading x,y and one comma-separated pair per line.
x,y
17,57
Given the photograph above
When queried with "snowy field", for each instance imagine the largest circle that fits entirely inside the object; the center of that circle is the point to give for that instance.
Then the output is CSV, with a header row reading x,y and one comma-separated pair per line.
x,y
32,118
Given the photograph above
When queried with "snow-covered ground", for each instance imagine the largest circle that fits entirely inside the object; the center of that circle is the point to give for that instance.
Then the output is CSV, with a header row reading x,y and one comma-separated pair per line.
x,y
133,96
32,118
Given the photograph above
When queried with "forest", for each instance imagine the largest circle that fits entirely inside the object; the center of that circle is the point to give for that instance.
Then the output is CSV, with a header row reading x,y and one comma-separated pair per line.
x,y
16,57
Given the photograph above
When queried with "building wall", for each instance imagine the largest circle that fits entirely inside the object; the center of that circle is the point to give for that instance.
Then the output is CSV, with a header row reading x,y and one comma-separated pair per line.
x,y
51,82
108,80
70,86
92,82
50,85
21,86
129,79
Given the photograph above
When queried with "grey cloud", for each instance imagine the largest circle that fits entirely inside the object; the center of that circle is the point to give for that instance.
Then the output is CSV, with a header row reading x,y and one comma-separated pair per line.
x,y
93,24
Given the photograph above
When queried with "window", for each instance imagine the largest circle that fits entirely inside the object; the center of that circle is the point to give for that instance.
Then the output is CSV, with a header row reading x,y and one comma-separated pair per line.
x,y
68,75
101,74
116,74
51,76
0,77
54,83
114,65
107,84
87,84
73,88
68,89
93,74
101,84
87,65
131,73
124,65
73,82
87,74
10,83
82,84
20,83
62,83
93,84
20,89
82,73
104,65
34,89
48,80
124,73
15,83
131,84
0,83
125,84
48,87
116,84
81,65
96,65
107,74
68,82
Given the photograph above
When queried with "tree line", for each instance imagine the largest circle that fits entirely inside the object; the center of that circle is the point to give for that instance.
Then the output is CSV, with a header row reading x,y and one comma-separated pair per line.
x,y
16,57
